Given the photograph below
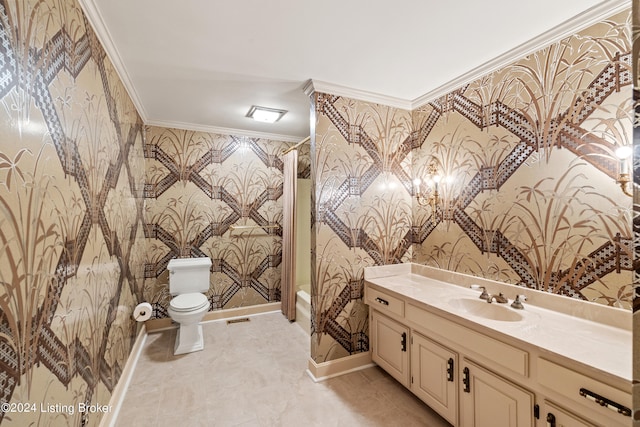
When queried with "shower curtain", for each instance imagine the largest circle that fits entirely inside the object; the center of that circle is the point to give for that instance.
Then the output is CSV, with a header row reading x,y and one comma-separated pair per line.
x,y
288,266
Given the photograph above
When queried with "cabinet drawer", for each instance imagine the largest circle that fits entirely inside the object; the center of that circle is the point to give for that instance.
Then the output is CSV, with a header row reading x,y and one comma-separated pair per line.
x,y
490,349
569,383
384,302
560,417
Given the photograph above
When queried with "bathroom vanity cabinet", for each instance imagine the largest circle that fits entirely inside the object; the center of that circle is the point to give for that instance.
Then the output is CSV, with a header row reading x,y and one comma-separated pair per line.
x,y
433,375
390,353
474,376
489,399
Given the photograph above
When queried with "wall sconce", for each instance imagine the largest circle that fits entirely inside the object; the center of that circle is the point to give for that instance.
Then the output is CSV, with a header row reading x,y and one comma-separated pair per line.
x,y
623,153
433,199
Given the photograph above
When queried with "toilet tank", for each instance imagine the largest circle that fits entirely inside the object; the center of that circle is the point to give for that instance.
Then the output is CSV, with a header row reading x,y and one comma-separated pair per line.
x,y
188,275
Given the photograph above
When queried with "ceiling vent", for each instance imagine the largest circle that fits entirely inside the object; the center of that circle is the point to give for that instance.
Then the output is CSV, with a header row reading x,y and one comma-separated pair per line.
x,y
264,114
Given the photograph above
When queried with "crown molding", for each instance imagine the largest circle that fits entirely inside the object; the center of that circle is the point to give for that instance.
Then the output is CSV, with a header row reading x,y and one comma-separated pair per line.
x,y
320,86
223,130
92,12
568,28
557,33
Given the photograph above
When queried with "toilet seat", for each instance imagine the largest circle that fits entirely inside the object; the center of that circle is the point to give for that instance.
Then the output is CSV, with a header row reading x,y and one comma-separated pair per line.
x,y
188,302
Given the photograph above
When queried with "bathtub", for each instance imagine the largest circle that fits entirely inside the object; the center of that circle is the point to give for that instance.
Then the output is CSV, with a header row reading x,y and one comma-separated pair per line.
x,y
303,308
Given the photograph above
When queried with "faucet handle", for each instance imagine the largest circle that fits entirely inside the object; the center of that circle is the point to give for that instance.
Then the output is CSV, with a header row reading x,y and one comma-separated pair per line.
x,y
484,295
517,303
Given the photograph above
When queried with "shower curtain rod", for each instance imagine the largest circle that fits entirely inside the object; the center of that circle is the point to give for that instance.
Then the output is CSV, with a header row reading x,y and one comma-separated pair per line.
x,y
293,147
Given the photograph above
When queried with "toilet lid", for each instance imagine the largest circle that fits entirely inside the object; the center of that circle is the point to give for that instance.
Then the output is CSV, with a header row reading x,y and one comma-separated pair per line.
x,y
188,302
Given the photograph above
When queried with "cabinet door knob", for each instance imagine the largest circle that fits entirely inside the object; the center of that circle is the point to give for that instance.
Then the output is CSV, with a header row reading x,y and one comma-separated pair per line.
x,y
404,341
551,420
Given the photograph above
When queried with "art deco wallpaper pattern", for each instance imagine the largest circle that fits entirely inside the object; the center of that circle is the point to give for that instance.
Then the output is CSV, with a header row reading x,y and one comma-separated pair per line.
x,y
198,187
361,170
71,228
528,196
636,207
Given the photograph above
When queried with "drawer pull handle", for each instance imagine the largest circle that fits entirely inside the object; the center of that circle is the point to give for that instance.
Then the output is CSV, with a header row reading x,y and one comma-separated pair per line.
x,y
382,301
551,420
450,370
603,401
466,380
404,341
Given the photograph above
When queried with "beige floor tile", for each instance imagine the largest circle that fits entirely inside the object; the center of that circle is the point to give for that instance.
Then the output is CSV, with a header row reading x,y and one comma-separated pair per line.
x,y
254,374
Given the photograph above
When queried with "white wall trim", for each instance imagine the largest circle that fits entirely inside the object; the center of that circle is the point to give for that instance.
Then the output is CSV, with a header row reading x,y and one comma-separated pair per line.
x,y
120,390
92,12
569,27
334,368
252,310
559,32
566,29
157,325
223,130
94,17
319,86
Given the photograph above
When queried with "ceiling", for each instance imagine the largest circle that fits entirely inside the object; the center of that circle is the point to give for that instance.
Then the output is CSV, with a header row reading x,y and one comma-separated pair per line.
x,y
201,64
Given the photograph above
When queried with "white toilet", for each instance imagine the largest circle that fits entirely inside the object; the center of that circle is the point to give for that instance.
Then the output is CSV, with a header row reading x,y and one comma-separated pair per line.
x,y
188,279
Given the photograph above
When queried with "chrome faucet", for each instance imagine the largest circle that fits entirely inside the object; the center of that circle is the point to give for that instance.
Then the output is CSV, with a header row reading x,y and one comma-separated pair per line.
x,y
499,298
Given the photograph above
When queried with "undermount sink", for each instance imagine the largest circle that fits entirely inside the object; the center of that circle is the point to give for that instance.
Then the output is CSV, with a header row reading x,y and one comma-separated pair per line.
x,y
481,308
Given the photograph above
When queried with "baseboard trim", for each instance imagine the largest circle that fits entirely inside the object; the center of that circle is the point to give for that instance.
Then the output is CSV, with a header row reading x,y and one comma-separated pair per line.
x,y
120,390
334,368
157,325
230,313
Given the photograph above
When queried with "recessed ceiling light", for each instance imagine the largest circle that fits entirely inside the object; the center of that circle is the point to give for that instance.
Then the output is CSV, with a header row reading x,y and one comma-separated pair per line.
x,y
264,114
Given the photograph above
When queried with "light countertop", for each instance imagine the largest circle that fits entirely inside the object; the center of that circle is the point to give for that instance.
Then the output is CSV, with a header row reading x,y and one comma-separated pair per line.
x,y
577,334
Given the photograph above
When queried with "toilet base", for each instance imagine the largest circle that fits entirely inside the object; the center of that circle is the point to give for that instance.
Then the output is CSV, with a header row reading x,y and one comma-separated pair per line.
x,y
189,339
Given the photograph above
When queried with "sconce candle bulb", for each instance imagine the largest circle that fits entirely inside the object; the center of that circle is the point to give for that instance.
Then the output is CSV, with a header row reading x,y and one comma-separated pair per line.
x,y
434,179
623,153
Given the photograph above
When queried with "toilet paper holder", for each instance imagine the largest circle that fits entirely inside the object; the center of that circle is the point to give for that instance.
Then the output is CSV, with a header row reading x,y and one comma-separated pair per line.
x,y
142,312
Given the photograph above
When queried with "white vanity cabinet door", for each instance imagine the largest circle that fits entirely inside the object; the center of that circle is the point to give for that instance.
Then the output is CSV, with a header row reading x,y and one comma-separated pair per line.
x,y
555,416
390,346
434,378
488,400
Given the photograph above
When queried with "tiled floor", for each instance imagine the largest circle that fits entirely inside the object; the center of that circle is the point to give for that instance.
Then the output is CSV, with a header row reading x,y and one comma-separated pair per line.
x,y
253,374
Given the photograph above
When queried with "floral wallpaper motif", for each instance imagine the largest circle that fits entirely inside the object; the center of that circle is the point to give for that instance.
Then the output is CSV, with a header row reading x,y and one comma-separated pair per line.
x,y
636,208
361,169
529,193
198,187
71,229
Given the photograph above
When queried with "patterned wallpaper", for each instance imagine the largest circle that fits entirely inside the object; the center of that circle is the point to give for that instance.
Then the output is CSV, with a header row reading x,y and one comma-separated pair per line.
x,y
528,154
88,224
71,229
361,173
198,186
529,195
636,207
